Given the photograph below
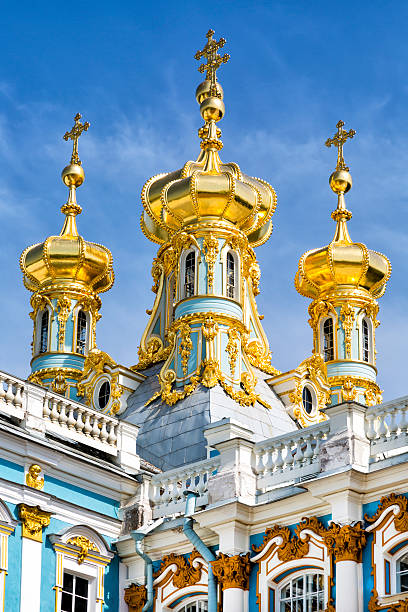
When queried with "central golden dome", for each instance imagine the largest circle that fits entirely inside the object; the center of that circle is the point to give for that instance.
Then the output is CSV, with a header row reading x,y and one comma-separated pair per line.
x,y
208,190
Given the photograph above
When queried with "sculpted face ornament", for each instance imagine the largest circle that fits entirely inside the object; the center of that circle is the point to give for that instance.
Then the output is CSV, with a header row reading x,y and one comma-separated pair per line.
x,y
34,478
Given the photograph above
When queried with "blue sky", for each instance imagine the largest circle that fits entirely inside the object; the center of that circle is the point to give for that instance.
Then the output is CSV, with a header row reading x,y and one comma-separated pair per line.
x,y
296,68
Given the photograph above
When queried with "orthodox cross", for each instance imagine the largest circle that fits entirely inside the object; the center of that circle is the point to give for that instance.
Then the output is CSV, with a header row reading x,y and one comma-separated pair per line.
x,y
74,134
214,59
338,140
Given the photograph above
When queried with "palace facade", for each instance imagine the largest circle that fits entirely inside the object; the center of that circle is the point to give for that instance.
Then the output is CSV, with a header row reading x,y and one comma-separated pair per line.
x,y
203,479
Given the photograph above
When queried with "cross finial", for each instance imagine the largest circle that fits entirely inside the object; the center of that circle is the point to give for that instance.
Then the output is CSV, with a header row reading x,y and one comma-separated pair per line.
x,y
74,134
214,59
338,140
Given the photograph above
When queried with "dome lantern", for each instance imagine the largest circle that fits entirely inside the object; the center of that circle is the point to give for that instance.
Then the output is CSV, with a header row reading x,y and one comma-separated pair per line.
x,y
65,274
344,280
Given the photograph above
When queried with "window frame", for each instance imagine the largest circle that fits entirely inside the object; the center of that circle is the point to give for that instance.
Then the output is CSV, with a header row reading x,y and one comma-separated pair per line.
x,y
296,576
188,602
76,330
91,568
182,275
91,589
237,274
368,321
38,328
322,338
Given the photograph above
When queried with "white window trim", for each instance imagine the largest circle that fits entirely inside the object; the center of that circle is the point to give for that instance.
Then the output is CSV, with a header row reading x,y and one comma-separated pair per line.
x,y
97,386
88,315
270,567
7,527
293,576
188,601
362,318
180,289
38,330
92,568
237,271
321,337
167,593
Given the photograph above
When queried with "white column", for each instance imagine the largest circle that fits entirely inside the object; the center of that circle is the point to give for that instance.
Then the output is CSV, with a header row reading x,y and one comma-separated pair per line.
x,y
233,599
30,575
349,597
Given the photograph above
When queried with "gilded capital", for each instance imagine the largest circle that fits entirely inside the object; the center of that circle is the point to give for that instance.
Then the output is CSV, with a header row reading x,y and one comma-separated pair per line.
x,y
232,572
135,597
348,541
33,520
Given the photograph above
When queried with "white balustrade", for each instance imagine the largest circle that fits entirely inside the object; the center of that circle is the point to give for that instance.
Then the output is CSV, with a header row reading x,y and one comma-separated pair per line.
x,y
289,457
387,428
168,487
80,423
11,396
59,415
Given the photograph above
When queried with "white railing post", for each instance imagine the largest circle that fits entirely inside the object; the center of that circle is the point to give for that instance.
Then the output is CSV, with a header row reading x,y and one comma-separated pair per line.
x,y
235,476
127,457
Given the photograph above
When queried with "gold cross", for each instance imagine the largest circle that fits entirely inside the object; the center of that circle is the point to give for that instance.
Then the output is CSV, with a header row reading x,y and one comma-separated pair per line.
x,y
74,134
338,141
214,59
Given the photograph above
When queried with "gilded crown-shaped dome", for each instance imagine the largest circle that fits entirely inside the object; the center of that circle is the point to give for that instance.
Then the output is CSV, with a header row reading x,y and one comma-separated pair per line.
x,y
68,261
208,190
343,264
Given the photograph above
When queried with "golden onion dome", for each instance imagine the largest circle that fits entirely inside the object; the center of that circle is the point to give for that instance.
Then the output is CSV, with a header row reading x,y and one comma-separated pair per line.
x,y
68,262
208,190
343,264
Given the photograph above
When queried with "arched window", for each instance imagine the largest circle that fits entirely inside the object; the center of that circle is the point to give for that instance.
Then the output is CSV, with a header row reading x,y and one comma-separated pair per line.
x,y
195,606
328,340
44,332
81,332
365,340
303,594
402,574
189,274
231,281
307,400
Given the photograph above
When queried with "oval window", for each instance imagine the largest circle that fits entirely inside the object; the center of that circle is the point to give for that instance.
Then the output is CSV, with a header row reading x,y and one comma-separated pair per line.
x,y
104,395
307,400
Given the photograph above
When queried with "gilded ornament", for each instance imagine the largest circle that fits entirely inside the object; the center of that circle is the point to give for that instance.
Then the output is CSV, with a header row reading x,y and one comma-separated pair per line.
x,y
209,328
185,346
39,376
211,373
372,391
157,271
64,308
135,597
34,478
255,276
84,544
211,249
348,392
318,309
291,546
387,501
232,572
59,384
33,521
258,358
232,348
187,572
348,541
348,316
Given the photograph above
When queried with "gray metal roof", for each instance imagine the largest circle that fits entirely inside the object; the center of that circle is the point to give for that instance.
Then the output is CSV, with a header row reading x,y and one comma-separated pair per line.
x,y
171,436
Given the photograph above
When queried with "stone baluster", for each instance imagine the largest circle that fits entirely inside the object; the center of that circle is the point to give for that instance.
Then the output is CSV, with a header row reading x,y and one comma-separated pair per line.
x,y
87,425
62,415
9,397
79,425
71,419
2,390
18,398
112,435
54,410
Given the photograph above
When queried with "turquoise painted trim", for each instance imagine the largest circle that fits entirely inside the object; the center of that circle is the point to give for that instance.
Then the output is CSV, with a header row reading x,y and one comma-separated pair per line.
x,y
398,547
12,589
81,497
208,304
69,332
284,575
48,565
11,471
351,368
58,360
271,600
